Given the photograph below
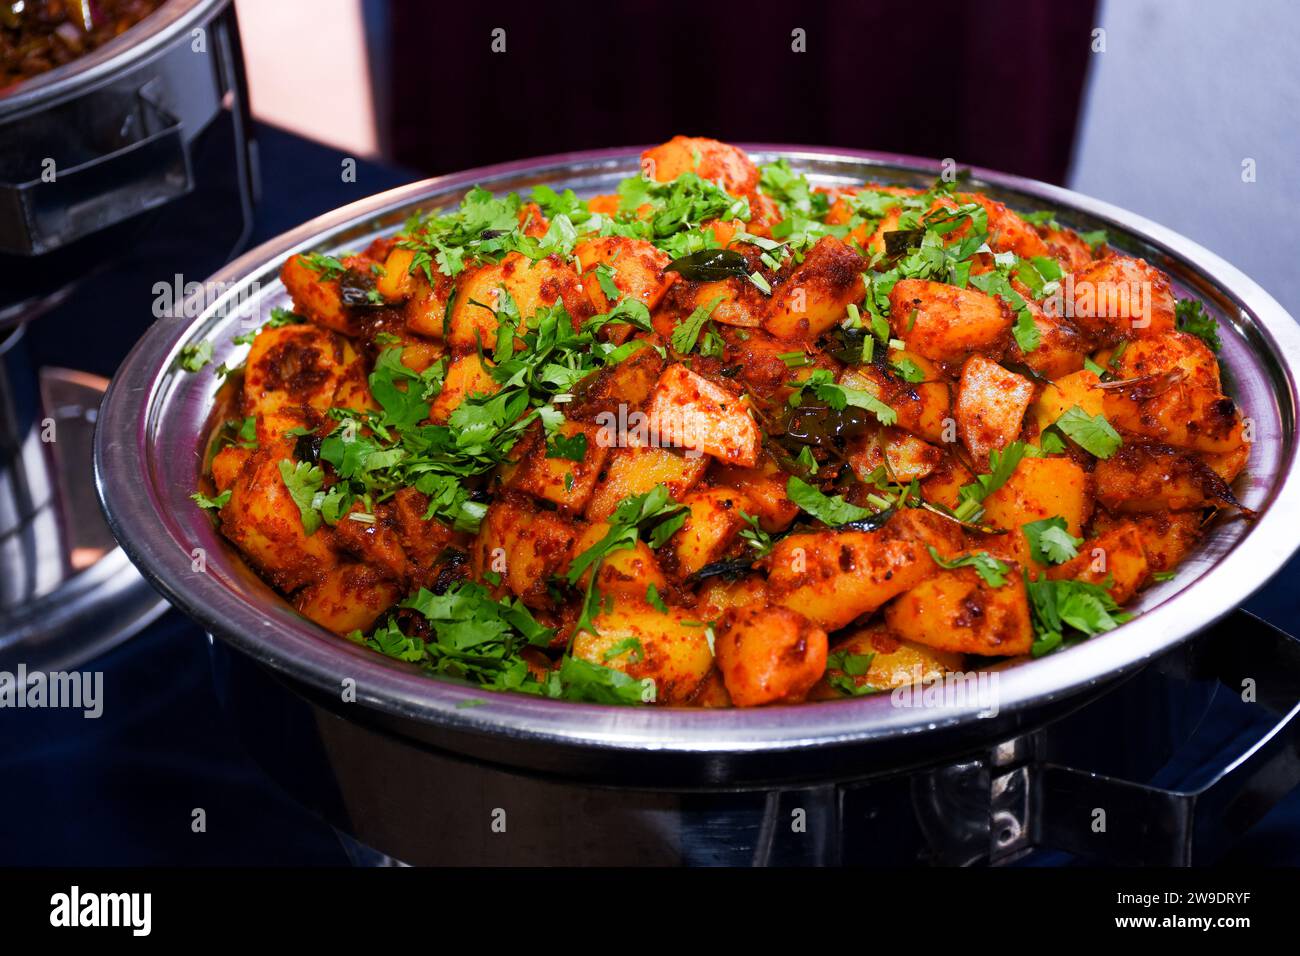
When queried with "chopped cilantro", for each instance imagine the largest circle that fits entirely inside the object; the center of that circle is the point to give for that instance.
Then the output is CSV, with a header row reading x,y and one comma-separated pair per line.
x,y
302,480
1065,611
1191,317
1001,466
1093,433
195,355
1026,332
1050,541
211,504
833,511
993,571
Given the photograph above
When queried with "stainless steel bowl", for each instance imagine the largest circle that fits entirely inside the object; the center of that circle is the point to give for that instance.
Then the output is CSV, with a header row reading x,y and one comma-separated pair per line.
x,y
149,452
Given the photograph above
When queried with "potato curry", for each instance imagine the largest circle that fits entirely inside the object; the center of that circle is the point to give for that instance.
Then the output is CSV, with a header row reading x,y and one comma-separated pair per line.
x,y
724,437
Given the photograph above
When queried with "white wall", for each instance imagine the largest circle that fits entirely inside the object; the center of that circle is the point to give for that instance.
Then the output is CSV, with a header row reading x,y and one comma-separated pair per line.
x,y
308,69
1184,92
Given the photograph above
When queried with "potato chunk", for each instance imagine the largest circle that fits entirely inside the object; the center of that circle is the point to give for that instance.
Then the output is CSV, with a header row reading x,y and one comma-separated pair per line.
x,y
263,521
725,165
296,365
893,662
958,611
637,271
608,397
924,408
671,649
1174,396
711,526
625,571
1141,478
688,411
904,457
316,298
1041,488
1060,351
395,282
524,545
558,479
634,471
717,594
532,286
1118,298
350,597
1117,555
426,309
768,655
466,376
834,577
945,323
1007,231
226,465
1167,536
991,405
1077,388
815,295
765,491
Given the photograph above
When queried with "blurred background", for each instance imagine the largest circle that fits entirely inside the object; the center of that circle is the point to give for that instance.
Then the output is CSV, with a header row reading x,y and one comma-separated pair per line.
x,y
1183,111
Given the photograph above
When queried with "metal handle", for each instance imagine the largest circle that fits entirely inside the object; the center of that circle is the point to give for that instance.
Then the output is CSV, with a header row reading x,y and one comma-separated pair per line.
x,y
1128,823
86,166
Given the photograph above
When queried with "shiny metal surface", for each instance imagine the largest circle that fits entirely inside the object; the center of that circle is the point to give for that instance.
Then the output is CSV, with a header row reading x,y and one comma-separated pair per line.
x,y
990,804
108,136
139,44
148,455
67,592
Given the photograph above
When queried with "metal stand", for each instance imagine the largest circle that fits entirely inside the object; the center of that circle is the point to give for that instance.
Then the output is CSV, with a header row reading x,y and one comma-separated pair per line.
x,y
66,592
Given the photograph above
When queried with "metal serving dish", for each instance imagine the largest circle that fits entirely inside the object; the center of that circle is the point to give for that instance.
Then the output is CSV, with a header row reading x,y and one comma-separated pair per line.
x,y
118,124
149,448
136,130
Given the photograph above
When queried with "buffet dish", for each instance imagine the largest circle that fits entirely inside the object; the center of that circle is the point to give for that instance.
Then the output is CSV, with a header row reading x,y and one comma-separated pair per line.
x,y
724,437
154,448
39,35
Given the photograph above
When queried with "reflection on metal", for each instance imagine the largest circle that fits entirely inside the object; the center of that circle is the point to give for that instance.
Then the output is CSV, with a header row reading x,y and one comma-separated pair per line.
x,y
66,592
393,799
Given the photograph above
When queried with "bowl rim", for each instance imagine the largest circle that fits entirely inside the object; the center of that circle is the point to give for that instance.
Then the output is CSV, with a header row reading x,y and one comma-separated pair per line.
x,y
295,648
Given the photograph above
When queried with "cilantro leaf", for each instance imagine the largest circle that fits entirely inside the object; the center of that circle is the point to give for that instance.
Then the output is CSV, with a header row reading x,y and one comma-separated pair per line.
x,y
583,680
685,335
194,356
1093,433
654,600
1026,332
990,569
754,535
833,511
302,480
1002,464
211,504
1064,611
1190,316
1050,541
568,447
655,509
403,407
908,371
851,666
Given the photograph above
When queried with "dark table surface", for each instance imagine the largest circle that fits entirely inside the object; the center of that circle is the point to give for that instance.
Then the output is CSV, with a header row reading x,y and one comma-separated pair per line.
x,y
121,789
